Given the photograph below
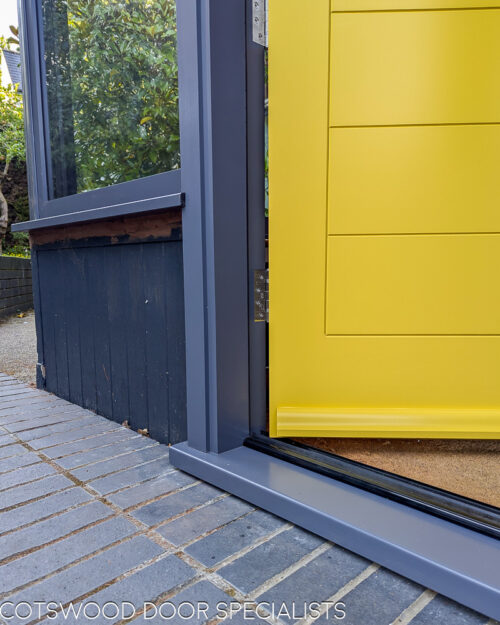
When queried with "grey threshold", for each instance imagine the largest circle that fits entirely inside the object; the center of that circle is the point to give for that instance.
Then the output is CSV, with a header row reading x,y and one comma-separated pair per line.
x,y
454,561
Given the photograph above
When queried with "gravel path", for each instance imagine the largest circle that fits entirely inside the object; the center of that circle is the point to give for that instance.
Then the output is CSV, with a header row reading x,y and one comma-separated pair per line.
x,y
18,355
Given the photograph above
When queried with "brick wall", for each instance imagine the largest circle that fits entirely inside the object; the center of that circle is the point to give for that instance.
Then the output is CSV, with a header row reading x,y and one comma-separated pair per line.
x,y
15,285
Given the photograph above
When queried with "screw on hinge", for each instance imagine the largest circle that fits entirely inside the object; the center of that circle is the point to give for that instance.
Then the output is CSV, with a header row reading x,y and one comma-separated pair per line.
x,y
259,22
260,295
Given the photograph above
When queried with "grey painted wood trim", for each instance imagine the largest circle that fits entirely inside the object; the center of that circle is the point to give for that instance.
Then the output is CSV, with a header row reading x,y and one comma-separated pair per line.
x,y
212,76
452,560
256,223
148,205
33,120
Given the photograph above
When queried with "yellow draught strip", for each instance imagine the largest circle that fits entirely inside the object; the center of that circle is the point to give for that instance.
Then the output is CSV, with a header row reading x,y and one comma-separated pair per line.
x,y
482,423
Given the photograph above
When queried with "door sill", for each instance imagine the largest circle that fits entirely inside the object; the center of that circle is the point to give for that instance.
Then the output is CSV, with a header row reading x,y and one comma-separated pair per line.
x,y
470,513
453,560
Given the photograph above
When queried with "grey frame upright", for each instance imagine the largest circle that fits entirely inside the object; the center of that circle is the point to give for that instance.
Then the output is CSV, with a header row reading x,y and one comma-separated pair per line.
x,y
212,75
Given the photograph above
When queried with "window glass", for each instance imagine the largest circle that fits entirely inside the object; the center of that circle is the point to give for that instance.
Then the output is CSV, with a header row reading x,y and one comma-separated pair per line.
x,y
112,91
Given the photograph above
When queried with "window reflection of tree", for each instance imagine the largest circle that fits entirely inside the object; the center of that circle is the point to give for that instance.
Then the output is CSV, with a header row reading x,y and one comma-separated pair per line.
x,y
112,93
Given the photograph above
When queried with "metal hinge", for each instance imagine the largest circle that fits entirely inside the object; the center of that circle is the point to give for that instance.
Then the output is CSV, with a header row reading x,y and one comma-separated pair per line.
x,y
261,295
259,20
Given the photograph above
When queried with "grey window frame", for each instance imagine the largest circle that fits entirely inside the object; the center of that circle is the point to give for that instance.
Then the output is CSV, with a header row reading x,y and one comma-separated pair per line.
x,y
151,193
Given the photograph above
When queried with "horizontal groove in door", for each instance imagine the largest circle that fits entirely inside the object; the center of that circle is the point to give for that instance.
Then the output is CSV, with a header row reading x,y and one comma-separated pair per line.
x,y
364,422
429,67
414,285
423,179
410,5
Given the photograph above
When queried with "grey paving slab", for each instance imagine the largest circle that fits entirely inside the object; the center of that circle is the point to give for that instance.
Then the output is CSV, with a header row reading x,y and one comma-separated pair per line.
x,y
247,617
43,508
49,530
73,583
12,450
19,391
233,537
206,519
71,426
172,505
442,611
99,440
42,422
378,600
138,588
20,494
47,410
8,384
317,581
73,435
129,477
55,536
119,463
49,559
260,564
6,439
19,405
150,490
104,453
195,605
16,462
25,475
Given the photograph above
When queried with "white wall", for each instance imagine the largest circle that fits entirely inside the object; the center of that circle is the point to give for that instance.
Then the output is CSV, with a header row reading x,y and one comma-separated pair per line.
x,y
8,15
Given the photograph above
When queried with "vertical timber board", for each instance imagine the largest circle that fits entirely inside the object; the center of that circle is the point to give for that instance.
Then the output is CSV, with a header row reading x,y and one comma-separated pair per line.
x,y
48,281
60,326
176,344
136,347
86,332
118,294
69,263
40,376
156,346
112,321
98,273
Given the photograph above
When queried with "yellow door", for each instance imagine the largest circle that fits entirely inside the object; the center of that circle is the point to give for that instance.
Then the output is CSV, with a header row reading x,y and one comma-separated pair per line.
x,y
384,130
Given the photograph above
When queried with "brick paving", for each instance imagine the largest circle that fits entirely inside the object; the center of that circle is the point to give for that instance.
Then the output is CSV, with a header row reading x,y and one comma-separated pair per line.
x,y
92,514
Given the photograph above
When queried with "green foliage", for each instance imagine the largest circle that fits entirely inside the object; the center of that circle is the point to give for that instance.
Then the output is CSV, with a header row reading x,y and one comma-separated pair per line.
x,y
11,122
14,38
117,73
19,245
12,156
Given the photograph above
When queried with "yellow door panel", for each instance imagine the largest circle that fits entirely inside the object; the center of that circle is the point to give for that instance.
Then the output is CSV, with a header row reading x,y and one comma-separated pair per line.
x,y
413,284
415,179
417,67
388,69
387,375
401,5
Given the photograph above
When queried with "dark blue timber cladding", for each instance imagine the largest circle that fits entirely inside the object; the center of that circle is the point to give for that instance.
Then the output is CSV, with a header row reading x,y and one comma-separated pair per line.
x,y
111,328
15,285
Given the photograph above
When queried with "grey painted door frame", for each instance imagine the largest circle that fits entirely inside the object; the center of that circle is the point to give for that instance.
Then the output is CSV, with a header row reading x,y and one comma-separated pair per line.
x,y
212,92
223,244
